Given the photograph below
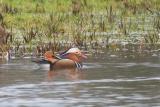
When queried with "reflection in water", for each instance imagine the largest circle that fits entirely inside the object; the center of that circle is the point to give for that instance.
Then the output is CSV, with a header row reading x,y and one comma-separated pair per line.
x,y
70,74
108,82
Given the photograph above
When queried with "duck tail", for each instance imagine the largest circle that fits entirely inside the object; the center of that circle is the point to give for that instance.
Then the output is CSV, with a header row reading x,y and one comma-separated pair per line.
x,y
49,56
41,61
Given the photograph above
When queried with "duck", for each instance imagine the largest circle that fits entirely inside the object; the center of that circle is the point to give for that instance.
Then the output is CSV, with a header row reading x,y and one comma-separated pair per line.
x,y
71,58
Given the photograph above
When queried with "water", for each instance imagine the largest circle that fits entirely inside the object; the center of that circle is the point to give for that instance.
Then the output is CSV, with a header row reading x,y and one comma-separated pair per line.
x,y
104,81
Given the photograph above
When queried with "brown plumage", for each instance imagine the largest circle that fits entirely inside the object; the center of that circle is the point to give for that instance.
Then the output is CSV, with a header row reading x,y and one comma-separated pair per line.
x,y
70,59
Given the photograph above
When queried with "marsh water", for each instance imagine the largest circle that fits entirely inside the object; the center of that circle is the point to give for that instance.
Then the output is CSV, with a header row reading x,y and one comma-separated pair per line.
x,y
105,80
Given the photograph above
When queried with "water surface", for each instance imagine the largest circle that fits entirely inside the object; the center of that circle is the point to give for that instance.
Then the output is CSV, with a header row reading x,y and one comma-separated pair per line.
x,y
104,81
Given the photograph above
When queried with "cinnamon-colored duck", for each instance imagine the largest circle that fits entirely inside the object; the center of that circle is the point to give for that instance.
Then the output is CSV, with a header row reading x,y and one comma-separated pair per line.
x,y
72,58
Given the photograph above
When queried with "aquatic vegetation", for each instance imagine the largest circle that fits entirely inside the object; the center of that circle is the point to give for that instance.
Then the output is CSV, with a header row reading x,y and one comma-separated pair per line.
x,y
89,24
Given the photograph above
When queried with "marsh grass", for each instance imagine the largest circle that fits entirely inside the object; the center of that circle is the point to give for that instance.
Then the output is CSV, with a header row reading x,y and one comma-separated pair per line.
x,y
90,24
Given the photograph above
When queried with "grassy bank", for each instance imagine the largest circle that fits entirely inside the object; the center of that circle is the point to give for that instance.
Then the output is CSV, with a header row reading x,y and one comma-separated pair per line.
x,y
84,23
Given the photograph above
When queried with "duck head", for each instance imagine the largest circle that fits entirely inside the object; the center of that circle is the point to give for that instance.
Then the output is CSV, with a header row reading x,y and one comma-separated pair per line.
x,y
74,54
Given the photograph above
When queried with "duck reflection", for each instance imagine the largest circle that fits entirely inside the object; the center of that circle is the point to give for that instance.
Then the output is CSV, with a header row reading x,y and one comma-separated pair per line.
x,y
69,74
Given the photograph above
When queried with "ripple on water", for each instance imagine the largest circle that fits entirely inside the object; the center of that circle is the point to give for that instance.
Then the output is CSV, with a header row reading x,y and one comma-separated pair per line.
x,y
92,65
19,66
125,65
105,81
32,66
13,88
147,64
37,102
61,93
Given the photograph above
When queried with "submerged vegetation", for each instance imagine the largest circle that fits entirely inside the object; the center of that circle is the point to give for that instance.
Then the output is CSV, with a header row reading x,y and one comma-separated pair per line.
x,y
40,25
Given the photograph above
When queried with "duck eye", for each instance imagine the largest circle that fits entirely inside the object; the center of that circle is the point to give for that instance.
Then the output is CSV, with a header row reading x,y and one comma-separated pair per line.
x,y
77,53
